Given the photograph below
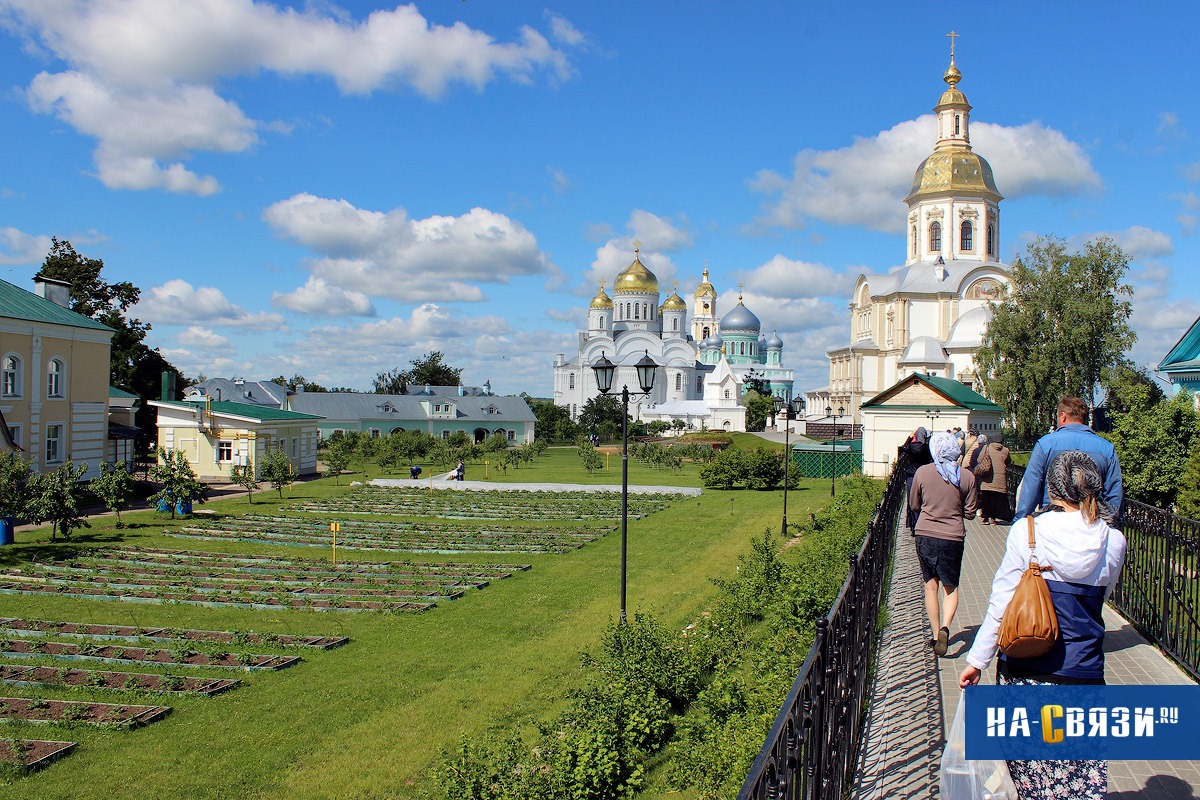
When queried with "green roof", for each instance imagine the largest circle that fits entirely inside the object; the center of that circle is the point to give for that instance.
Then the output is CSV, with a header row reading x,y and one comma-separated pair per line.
x,y
113,391
17,303
228,407
1184,355
959,393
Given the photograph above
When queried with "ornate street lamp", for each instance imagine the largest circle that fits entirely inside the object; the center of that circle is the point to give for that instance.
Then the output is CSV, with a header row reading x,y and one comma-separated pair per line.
x,y
933,415
605,370
841,412
793,408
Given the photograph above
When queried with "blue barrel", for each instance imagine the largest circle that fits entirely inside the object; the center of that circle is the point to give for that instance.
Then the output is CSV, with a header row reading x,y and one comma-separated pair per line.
x,y
7,526
183,508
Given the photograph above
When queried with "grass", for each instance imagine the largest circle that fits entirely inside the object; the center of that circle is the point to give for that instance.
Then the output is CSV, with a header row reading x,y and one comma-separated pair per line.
x,y
367,720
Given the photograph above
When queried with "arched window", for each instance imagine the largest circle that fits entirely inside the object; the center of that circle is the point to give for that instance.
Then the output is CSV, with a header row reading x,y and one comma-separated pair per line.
x,y
675,324
678,381
966,239
637,311
10,382
602,323
991,239
55,374
572,385
935,237
705,333
957,124
914,239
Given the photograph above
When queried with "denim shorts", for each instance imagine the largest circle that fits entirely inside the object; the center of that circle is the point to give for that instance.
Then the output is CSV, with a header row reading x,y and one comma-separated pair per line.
x,y
940,559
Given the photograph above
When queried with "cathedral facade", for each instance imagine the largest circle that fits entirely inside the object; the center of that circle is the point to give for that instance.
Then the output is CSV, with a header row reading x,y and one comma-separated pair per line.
x,y
705,364
930,314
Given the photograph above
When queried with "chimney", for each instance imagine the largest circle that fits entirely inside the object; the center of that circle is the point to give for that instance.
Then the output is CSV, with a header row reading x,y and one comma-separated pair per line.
x,y
56,291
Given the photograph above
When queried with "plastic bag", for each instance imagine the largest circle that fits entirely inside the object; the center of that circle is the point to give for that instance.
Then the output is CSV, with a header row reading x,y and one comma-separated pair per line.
x,y
971,780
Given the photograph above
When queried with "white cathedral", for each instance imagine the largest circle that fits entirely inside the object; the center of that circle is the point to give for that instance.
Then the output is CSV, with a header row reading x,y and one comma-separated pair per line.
x,y
930,314
704,364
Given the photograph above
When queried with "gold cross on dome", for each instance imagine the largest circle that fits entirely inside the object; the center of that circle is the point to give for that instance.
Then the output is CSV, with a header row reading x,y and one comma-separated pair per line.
x,y
637,246
952,36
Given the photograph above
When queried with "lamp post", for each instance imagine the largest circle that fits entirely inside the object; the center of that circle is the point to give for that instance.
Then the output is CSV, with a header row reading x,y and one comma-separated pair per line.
x,y
796,406
932,415
841,412
605,370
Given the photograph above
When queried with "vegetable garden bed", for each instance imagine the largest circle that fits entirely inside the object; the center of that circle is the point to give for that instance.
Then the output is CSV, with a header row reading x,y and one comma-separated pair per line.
x,y
110,715
424,537
510,505
124,654
63,677
32,754
129,633
200,578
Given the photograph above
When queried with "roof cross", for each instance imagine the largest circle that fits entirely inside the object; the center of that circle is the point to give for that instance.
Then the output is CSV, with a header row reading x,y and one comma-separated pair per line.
x,y
952,36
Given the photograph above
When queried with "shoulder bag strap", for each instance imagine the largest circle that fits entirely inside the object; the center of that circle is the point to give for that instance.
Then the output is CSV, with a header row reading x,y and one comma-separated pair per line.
x,y
1033,562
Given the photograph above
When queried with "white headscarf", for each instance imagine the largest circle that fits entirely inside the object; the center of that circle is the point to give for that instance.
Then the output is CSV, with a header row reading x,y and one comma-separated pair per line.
x,y
945,451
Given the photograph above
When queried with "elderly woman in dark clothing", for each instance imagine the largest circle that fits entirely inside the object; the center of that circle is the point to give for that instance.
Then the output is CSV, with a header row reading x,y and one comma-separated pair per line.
x,y
993,481
916,447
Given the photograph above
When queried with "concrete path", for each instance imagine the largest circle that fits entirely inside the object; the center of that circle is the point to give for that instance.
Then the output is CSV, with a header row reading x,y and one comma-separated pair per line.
x,y
444,482
915,695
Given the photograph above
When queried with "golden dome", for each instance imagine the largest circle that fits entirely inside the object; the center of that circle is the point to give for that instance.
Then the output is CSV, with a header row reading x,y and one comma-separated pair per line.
x,y
705,288
601,300
636,278
955,169
952,97
673,303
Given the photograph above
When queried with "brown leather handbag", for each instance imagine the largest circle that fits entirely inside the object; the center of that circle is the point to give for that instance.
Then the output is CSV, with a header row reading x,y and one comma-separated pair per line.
x,y
1029,626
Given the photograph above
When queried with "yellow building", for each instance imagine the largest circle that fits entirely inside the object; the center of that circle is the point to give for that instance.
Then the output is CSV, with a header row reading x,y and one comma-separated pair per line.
x,y
54,378
216,436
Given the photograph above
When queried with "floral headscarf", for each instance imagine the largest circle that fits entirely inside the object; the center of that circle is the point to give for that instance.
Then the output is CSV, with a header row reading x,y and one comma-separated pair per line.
x,y
945,451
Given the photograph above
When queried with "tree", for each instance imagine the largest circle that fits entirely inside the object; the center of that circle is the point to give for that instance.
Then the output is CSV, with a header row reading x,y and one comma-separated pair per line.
x,y
1187,501
15,474
114,487
179,482
1153,440
1062,322
392,382
589,455
754,381
243,475
552,421
430,370
278,471
299,382
1121,387
337,458
54,498
758,409
134,365
602,415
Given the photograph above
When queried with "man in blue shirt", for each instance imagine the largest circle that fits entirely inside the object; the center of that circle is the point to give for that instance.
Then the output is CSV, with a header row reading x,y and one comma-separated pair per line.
x,y
1071,434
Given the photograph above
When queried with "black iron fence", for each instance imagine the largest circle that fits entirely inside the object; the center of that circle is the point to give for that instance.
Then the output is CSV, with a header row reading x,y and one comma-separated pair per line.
x,y
1159,590
812,748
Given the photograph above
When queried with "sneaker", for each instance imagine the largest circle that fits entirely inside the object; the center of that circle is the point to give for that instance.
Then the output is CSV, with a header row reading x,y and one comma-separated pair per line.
x,y
942,642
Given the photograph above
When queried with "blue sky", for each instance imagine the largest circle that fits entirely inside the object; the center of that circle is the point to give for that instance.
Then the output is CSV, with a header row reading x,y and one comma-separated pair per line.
x,y
337,189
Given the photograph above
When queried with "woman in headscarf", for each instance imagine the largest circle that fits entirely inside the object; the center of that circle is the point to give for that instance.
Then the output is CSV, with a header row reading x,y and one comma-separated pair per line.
x,y
916,448
972,458
1085,554
993,481
943,494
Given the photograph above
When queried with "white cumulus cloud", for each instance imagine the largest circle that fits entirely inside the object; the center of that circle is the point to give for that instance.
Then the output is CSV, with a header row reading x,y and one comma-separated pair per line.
x,y
860,184
656,236
203,338
1138,242
316,296
142,75
18,247
798,279
177,302
439,258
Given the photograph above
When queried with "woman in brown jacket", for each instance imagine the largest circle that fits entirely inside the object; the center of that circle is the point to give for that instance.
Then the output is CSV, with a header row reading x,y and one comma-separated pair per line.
x,y
992,472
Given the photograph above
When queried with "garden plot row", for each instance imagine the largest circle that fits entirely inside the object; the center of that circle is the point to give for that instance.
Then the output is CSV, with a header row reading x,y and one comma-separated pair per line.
x,y
424,537
159,576
26,639
510,505
131,633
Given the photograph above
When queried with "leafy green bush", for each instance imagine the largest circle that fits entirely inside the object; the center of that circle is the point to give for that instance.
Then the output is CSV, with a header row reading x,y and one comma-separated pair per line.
x,y
727,470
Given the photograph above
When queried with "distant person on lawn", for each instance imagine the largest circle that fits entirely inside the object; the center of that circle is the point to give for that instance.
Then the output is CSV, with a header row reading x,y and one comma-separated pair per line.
x,y
943,494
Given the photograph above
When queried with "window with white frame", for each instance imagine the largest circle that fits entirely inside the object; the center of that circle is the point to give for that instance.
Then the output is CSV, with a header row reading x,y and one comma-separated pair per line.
x,y
54,449
224,451
375,433
295,447
55,375
10,383
15,432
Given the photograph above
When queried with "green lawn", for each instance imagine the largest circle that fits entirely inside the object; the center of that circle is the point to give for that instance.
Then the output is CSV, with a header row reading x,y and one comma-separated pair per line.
x,y
368,719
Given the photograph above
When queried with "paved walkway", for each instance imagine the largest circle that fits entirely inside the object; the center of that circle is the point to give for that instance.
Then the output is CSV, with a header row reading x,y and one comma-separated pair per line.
x,y
915,695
